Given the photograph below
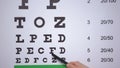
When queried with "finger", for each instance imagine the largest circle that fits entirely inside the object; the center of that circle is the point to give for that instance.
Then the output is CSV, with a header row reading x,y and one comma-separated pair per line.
x,y
77,63
70,65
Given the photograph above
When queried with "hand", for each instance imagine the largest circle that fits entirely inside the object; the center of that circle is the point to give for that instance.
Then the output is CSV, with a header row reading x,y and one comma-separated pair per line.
x,y
76,65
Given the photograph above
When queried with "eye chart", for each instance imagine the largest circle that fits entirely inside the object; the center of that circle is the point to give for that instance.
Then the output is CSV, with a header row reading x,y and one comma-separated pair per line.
x,y
87,31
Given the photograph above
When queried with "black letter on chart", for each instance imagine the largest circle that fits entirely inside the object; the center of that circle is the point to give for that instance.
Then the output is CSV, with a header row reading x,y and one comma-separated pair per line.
x,y
18,60
52,49
30,50
18,50
19,19
51,6
39,22
23,6
62,50
41,50
44,60
59,23
18,39
27,60
61,37
33,37
48,38
35,60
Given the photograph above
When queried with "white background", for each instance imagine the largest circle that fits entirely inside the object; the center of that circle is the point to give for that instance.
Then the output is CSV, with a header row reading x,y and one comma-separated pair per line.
x,y
77,12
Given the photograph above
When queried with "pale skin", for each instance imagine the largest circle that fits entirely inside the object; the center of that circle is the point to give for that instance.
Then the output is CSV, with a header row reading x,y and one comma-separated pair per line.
x,y
76,64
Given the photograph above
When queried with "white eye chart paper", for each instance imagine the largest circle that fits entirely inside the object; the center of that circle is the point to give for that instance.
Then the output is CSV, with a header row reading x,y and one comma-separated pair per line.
x,y
87,31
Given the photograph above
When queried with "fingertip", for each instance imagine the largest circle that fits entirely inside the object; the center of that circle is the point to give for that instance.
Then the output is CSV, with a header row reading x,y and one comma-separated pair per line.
x,y
67,65
70,65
